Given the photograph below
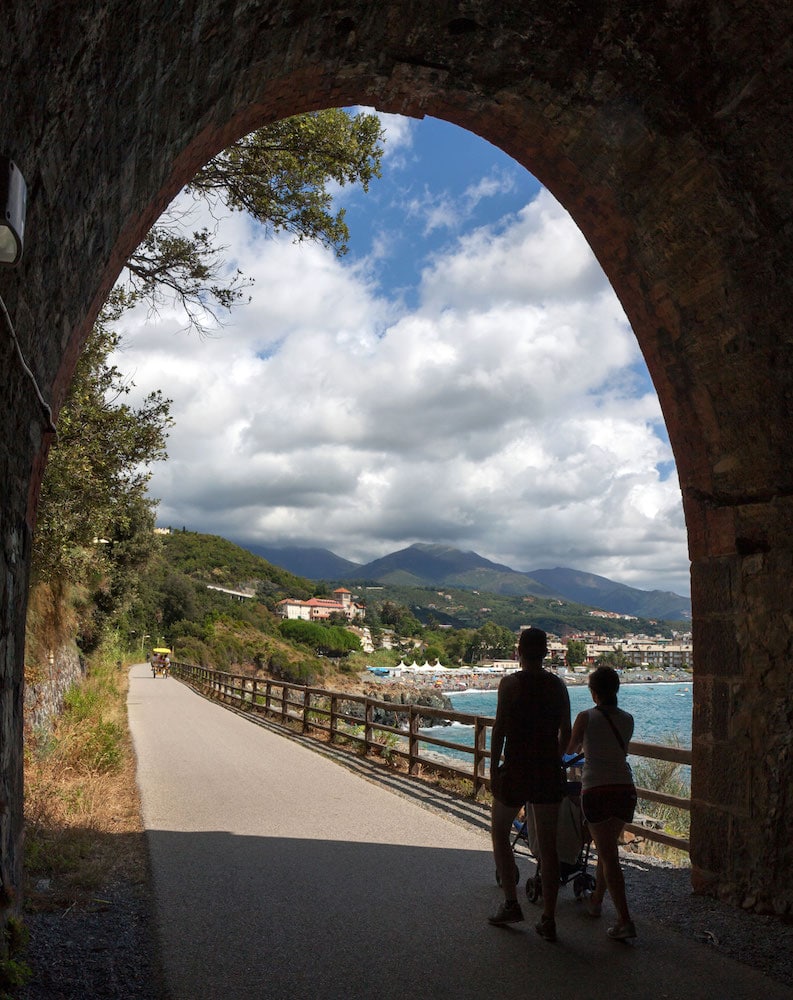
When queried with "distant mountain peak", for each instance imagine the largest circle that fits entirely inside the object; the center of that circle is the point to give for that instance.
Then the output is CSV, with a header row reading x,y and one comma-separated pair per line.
x,y
310,562
424,564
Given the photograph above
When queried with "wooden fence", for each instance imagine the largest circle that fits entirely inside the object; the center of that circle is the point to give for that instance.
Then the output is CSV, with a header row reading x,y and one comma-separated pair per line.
x,y
319,711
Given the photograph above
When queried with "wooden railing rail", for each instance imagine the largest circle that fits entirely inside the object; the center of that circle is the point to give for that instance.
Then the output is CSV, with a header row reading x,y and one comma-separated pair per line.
x,y
317,710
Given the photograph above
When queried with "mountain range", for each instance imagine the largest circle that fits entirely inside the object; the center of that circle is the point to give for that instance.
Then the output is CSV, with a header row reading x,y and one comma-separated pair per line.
x,y
423,565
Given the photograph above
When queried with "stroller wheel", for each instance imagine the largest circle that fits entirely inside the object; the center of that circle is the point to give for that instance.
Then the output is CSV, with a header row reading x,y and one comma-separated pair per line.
x,y
534,889
583,884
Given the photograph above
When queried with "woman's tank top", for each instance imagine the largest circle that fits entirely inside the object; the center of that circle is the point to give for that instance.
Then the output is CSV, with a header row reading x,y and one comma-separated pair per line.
x,y
604,758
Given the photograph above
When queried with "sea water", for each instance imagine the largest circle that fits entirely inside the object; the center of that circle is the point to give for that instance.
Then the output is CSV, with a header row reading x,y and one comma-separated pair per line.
x,y
661,714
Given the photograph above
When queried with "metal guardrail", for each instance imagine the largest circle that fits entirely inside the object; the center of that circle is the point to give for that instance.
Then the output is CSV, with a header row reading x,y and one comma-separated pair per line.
x,y
317,710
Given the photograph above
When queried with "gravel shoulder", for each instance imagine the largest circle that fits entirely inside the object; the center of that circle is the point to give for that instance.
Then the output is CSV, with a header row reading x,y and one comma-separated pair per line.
x,y
105,948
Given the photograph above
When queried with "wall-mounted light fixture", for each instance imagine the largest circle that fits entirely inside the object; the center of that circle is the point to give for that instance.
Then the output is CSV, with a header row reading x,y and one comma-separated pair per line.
x,y
13,202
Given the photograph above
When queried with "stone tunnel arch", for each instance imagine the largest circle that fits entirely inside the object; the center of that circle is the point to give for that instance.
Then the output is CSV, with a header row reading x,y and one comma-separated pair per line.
x,y
667,138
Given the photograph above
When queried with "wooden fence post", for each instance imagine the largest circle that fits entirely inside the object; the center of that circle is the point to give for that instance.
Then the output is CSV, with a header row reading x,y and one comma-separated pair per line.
x,y
414,766
480,749
334,709
306,708
367,728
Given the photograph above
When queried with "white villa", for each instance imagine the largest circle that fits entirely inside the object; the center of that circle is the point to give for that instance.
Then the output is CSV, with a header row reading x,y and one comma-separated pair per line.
x,y
317,608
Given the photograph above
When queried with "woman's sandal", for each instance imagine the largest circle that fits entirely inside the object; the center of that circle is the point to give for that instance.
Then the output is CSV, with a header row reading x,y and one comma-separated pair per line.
x,y
622,932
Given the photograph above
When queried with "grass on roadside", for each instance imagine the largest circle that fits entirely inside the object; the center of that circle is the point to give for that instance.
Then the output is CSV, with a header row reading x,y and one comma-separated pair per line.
x,y
82,810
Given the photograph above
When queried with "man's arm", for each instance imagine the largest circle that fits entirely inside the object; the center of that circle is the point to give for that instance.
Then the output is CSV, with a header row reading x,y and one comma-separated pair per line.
x,y
497,735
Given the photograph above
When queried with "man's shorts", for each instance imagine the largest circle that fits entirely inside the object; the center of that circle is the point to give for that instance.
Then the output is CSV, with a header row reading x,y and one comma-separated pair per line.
x,y
544,784
609,802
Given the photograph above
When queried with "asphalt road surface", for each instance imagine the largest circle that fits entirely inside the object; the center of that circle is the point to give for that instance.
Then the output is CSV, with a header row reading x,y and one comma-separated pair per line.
x,y
278,873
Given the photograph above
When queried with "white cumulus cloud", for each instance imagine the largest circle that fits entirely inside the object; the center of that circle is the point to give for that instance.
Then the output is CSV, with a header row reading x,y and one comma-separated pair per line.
x,y
506,411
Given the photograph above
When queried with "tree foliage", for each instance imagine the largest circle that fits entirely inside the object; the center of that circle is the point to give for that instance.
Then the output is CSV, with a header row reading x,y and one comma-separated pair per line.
x,y
99,467
576,652
495,641
399,618
614,658
95,521
331,640
282,175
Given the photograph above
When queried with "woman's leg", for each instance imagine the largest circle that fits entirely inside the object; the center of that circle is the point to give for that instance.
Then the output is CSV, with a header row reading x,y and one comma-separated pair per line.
x,y
501,818
597,894
606,836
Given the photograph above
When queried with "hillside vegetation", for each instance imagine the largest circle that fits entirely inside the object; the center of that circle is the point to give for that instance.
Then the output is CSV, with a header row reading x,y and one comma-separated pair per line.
x,y
214,560
177,608
471,609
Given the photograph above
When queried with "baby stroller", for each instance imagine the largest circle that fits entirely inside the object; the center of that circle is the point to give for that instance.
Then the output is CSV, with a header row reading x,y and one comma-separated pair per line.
x,y
573,841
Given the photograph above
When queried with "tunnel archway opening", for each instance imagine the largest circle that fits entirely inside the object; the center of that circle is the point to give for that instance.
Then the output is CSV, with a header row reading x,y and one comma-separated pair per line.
x,y
498,295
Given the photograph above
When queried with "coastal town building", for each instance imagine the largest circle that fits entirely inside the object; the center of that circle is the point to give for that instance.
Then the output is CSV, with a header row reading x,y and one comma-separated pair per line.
x,y
321,609
653,652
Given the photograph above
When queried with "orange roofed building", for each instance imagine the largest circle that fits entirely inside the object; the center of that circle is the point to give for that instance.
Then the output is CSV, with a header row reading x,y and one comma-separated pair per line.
x,y
317,608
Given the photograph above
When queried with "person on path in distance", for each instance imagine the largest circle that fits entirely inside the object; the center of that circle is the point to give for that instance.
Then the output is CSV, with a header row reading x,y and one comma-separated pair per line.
x,y
532,726
608,797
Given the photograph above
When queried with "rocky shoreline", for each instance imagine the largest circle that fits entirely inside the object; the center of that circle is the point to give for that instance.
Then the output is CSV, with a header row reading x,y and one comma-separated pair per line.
x,y
402,695
473,681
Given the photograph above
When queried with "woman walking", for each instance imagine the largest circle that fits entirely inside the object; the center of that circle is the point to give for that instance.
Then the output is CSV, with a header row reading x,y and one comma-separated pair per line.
x,y
608,795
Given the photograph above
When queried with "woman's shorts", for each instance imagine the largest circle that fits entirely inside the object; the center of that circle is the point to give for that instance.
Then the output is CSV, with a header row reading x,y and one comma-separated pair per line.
x,y
609,802
542,785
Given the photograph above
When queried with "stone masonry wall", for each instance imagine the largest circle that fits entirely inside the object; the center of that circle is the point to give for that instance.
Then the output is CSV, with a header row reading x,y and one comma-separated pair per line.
x,y
44,695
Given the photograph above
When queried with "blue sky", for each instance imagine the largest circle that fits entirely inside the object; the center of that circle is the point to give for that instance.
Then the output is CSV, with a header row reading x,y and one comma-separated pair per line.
x,y
464,376
445,182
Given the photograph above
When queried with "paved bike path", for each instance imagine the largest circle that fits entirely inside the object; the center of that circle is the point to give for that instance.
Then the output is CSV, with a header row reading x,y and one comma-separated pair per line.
x,y
280,875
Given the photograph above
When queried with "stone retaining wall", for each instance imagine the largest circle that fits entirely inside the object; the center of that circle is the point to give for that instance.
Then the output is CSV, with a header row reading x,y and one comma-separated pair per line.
x,y
44,696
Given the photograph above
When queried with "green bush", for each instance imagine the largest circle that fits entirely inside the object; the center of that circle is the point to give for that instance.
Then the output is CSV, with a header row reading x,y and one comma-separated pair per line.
x,y
663,776
332,640
194,651
104,749
82,703
302,672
